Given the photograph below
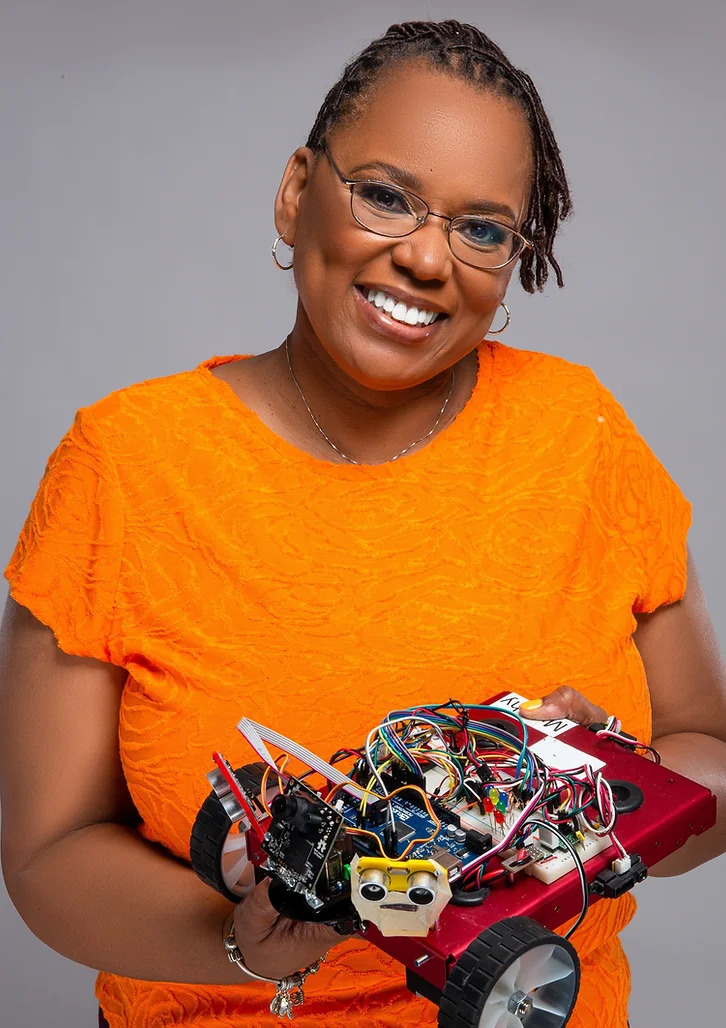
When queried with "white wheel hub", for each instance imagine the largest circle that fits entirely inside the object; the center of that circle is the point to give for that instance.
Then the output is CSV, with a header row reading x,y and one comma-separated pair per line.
x,y
536,991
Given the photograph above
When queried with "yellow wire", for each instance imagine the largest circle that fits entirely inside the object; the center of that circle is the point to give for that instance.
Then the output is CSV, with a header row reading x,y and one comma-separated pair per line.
x,y
430,811
443,762
371,780
389,796
265,777
367,792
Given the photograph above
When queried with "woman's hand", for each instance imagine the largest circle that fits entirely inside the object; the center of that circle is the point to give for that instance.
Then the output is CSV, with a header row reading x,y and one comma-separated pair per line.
x,y
272,945
564,702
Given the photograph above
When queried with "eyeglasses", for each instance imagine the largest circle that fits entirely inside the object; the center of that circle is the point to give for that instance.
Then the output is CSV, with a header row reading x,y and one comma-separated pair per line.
x,y
389,210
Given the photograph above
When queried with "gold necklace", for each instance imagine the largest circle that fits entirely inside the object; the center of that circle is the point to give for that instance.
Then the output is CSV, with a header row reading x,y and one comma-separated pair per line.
x,y
330,441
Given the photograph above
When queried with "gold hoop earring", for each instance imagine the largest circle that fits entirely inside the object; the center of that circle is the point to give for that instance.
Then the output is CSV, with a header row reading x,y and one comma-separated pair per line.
x,y
496,331
283,267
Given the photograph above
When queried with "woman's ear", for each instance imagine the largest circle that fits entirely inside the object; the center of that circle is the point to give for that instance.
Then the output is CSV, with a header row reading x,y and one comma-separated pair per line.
x,y
295,178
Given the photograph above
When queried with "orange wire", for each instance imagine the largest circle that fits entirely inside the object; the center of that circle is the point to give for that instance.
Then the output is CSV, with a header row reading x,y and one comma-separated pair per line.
x,y
369,792
389,796
362,831
265,777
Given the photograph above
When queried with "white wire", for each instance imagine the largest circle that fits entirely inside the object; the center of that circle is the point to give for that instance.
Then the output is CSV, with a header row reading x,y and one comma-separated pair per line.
x,y
255,733
514,829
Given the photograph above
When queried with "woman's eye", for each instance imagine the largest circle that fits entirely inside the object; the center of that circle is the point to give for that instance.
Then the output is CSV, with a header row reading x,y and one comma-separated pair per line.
x,y
384,198
484,234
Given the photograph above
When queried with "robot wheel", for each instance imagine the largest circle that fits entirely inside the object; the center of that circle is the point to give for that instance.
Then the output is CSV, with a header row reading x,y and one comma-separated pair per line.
x,y
515,974
219,850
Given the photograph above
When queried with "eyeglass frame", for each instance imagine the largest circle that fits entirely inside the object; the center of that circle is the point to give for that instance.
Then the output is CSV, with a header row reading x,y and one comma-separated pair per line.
x,y
351,183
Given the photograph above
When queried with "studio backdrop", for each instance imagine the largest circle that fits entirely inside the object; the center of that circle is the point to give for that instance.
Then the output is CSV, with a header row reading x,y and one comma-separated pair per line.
x,y
142,146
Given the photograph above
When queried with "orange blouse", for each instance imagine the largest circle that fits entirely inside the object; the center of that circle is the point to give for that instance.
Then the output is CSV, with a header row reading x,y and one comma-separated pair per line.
x,y
232,574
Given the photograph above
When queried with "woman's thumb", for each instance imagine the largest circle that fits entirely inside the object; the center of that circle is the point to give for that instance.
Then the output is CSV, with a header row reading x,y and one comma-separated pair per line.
x,y
258,910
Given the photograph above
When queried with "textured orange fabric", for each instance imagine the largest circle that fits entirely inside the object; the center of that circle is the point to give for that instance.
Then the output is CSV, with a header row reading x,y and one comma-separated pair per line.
x,y
232,574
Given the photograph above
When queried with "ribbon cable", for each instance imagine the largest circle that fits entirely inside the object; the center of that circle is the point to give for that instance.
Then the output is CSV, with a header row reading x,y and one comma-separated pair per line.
x,y
257,735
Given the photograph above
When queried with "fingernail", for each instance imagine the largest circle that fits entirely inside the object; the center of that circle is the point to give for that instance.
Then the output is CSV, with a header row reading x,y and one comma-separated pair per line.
x,y
530,704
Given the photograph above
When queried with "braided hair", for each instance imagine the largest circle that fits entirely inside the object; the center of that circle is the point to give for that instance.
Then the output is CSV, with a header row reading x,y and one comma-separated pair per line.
x,y
464,51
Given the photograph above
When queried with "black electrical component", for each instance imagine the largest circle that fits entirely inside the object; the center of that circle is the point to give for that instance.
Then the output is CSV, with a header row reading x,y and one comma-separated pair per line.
x,y
298,811
625,735
445,816
469,897
398,775
390,840
553,803
302,835
484,773
610,884
477,842
377,812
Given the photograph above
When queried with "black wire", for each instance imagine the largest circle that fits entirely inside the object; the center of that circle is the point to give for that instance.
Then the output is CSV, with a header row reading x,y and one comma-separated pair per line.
x,y
580,870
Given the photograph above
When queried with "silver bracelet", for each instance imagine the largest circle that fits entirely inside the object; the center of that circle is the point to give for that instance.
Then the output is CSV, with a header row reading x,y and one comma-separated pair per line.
x,y
288,991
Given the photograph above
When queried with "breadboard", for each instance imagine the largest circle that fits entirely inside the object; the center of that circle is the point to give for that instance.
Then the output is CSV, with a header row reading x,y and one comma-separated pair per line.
x,y
552,867
473,818
486,823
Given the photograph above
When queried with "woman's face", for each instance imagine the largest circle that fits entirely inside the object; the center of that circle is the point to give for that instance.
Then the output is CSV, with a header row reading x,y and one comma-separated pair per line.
x,y
458,147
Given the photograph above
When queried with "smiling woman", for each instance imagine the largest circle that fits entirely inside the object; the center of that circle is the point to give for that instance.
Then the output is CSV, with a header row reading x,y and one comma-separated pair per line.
x,y
383,508
376,366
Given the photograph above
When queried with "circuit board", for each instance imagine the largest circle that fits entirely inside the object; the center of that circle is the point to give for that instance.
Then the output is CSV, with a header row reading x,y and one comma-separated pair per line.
x,y
464,823
448,847
301,836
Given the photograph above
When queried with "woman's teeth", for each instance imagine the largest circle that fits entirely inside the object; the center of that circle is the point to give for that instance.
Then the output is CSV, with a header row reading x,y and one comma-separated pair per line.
x,y
399,311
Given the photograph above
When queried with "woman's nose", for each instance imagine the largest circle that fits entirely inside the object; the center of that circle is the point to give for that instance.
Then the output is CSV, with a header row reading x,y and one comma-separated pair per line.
x,y
426,253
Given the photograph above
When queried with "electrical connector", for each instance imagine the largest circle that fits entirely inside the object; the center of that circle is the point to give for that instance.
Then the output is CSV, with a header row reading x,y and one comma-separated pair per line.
x,y
621,865
612,884
548,839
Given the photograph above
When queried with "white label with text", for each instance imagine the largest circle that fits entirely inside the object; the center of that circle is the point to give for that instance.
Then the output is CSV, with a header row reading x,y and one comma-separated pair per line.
x,y
554,726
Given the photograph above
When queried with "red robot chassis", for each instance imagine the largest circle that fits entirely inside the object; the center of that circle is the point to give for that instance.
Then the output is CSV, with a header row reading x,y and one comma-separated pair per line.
x,y
459,840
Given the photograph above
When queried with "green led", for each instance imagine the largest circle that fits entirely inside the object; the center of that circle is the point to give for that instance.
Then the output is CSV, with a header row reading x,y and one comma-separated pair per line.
x,y
346,872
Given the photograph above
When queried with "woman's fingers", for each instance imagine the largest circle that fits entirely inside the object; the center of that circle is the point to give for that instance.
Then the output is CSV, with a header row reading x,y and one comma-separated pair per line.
x,y
563,702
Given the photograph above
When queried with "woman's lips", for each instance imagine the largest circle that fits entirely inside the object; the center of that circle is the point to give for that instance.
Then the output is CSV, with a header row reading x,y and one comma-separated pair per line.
x,y
388,326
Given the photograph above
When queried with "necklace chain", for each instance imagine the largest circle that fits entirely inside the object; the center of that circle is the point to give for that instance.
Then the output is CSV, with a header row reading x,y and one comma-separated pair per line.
x,y
330,441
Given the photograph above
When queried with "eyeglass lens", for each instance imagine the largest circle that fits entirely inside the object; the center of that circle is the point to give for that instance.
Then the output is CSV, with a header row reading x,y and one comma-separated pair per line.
x,y
395,212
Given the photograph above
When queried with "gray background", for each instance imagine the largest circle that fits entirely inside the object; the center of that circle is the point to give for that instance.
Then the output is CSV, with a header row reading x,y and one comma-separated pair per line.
x,y
142,145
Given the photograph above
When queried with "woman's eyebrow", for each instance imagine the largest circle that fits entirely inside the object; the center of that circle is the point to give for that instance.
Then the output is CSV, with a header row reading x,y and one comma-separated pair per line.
x,y
410,181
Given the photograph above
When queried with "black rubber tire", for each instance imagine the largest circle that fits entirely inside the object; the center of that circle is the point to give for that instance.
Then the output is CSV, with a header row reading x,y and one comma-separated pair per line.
x,y
484,962
209,833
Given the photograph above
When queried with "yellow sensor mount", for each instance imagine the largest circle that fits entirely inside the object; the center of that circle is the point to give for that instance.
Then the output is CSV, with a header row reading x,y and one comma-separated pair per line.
x,y
401,897
418,879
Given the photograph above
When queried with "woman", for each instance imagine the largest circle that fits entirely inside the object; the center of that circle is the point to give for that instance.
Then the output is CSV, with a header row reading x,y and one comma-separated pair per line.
x,y
383,508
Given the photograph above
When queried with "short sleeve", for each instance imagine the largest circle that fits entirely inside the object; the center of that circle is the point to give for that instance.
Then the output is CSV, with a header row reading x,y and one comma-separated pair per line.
x,y
643,506
65,566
